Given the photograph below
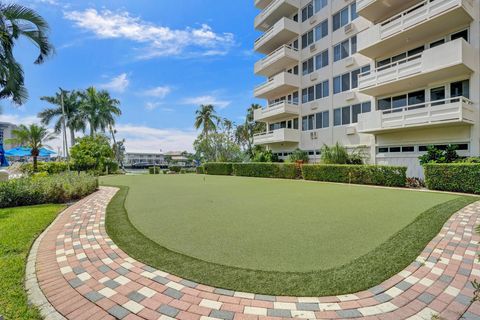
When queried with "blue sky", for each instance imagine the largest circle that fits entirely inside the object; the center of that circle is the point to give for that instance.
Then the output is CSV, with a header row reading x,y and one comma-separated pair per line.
x,y
161,58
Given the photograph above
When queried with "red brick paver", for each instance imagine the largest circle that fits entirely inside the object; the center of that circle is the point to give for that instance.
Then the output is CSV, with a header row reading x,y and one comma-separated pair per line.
x,y
84,275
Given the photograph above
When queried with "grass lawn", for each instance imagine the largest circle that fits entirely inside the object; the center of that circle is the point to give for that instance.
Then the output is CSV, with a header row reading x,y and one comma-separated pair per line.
x,y
275,236
18,229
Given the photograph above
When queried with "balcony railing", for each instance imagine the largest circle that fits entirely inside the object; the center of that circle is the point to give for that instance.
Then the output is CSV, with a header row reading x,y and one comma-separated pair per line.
x,y
277,136
266,60
403,26
454,110
265,35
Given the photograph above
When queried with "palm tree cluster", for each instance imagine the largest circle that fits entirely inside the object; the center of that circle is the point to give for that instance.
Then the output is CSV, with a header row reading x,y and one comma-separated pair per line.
x,y
18,21
95,108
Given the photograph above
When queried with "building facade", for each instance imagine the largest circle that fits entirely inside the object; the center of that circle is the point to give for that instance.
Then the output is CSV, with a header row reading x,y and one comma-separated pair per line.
x,y
387,77
143,159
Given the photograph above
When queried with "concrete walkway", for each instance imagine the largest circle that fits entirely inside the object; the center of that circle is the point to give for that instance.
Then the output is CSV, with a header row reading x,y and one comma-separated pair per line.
x,y
84,275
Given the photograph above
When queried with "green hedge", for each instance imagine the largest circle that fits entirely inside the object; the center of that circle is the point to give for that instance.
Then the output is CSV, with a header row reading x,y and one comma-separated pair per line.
x,y
219,168
455,177
265,170
41,189
358,174
48,167
175,169
154,170
200,170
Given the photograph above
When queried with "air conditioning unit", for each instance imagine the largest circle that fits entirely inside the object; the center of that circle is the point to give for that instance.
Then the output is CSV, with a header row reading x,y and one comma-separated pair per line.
x,y
349,96
350,61
313,76
351,130
313,135
313,47
313,20
349,28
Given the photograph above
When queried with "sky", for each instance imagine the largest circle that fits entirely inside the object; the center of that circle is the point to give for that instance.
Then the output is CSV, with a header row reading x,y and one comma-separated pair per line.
x,y
160,58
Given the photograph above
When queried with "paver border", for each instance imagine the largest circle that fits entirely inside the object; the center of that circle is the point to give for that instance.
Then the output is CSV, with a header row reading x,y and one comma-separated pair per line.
x,y
35,294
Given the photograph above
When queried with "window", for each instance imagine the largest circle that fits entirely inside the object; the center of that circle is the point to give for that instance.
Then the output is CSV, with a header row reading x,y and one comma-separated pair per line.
x,y
345,49
322,120
344,16
307,12
462,34
320,4
307,122
395,149
321,60
307,66
308,94
460,89
416,98
321,30
399,101
307,39
408,149
437,94
349,114
437,43
322,90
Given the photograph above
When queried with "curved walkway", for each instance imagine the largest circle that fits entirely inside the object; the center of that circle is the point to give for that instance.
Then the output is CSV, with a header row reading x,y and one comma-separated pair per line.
x,y
84,275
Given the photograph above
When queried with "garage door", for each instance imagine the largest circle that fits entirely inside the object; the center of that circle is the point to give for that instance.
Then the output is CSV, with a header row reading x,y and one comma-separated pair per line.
x,y
410,161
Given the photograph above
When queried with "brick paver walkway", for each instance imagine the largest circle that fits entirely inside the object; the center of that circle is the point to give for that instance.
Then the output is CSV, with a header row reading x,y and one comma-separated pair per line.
x,y
84,275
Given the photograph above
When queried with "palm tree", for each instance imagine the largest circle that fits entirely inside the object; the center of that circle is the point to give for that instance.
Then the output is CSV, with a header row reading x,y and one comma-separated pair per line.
x,y
18,21
206,119
99,110
32,136
73,116
244,133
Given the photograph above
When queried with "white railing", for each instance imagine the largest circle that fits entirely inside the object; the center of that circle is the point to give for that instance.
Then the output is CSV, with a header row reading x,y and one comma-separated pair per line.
x,y
266,34
390,65
263,134
414,15
363,3
429,104
268,57
266,84
276,104
265,11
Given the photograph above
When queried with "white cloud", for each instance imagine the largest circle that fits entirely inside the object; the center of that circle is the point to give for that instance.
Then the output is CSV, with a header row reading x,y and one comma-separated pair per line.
x,y
160,41
158,92
117,84
150,106
208,99
148,139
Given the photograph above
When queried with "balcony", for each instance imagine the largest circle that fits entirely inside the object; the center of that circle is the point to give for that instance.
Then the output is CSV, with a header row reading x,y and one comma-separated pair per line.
x,y
378,10
276,10
282,32
281,84
280,59
422,21
452,59
262,4
448,112
276,112
277,136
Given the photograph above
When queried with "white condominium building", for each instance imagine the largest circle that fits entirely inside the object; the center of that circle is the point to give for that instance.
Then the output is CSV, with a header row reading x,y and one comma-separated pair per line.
x,y
390,77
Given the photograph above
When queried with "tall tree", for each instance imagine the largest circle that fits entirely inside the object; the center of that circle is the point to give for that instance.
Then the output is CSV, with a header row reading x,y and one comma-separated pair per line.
x,y
18,21
73,116
32,136
206,119
99,110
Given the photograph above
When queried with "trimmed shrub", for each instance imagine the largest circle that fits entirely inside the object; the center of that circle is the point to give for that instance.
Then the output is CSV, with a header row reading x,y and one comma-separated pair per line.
x,y
175,169
219,168
455,177
48,167
265,170
41,189
154,170
200,170
357,174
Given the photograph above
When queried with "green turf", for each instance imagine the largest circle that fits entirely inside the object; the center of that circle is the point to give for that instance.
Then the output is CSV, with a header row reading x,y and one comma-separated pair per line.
x,y
18,229
266,224
378,222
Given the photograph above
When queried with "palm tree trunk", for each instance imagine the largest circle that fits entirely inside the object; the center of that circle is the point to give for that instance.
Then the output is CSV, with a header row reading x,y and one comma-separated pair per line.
x,y
72,137
35,164
92,130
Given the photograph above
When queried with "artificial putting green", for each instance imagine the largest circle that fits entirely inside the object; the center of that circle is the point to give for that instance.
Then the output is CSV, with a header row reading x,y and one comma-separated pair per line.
x,y
266,224
176,223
